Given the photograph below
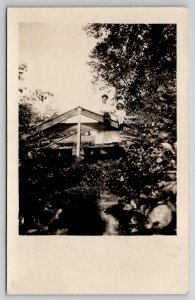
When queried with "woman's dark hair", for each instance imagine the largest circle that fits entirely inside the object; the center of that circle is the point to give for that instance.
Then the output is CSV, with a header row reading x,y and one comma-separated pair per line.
x,y
105,96
120,105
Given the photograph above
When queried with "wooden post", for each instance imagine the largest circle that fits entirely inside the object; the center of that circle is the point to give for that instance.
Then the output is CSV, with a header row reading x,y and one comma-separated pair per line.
x,y
79,132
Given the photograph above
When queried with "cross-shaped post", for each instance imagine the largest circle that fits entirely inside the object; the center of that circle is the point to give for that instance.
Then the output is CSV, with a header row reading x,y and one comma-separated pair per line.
x,y
78,132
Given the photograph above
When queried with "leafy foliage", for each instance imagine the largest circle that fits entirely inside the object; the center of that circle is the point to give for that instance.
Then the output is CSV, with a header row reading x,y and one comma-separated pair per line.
x,y
34,106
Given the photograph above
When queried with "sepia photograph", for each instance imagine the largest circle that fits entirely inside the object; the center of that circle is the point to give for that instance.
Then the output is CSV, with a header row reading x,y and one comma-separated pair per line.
x,y
97,151
97,129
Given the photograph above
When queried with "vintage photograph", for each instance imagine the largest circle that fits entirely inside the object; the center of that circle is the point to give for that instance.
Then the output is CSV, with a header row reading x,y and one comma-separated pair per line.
x,y
97,151
97,129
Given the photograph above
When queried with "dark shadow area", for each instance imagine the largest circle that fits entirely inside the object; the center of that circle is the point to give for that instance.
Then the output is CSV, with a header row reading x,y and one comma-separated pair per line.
x,y
80,214
51,200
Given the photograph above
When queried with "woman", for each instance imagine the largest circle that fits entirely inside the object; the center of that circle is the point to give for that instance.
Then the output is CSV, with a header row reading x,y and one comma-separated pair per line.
x,y
107,136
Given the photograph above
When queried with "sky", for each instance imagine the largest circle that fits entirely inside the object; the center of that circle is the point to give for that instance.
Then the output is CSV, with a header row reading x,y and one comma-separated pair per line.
x,y
56,55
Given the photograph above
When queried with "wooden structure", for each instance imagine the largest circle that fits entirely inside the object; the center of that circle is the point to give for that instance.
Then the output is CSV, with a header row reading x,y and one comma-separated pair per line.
x,y
74,135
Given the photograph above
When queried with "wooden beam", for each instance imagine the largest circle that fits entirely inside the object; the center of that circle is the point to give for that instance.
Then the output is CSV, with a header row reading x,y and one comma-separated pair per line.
x,y
97,117
132,117
79,132
55,142
51,122
87,147
128,136
101,146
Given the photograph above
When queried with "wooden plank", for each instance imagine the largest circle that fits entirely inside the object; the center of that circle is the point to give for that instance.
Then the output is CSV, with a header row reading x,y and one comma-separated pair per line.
x,y
85,147
55,142
128,136
132,117
97,117
78,132
102,146
51,122
63,148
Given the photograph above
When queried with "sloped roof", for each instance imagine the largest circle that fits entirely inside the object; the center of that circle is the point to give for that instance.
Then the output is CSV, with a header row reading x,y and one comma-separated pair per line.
x,y
65,116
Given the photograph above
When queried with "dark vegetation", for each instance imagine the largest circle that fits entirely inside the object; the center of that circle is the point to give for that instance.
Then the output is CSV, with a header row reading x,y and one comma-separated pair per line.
x,y
60,196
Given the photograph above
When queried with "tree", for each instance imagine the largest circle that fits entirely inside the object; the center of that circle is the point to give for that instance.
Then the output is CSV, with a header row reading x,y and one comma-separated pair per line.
x,y
34,106
139,61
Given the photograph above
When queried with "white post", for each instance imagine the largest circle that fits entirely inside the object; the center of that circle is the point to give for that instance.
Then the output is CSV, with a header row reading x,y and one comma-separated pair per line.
x,y
79,132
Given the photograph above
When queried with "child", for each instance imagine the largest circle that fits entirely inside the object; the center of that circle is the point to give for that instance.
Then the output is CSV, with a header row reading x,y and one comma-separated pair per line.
x,y
120,113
